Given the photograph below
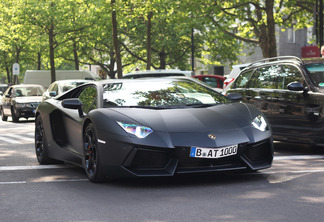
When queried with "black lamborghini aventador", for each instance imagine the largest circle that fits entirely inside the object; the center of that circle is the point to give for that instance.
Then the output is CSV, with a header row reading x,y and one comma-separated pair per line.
x,y
151,127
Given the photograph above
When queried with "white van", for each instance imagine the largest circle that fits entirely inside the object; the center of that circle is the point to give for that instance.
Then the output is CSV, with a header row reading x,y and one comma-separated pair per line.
x,y
43,77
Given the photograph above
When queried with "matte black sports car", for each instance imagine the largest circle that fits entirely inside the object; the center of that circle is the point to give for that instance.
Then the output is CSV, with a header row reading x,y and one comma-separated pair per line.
x,y
151,127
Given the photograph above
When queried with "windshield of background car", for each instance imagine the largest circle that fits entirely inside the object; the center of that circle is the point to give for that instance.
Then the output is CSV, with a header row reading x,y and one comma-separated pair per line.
x,y
28,91
316,73
70,85
165,93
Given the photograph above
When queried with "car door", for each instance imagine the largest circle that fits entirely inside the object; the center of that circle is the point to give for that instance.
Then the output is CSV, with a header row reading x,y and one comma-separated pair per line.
x,y
297,111
262,85
257,85
73,123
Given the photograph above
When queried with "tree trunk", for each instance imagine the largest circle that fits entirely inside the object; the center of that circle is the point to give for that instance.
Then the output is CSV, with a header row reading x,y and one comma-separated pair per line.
x,y
76,58
8,75
272,45
148,39
115,40
51,52
39,61
162,56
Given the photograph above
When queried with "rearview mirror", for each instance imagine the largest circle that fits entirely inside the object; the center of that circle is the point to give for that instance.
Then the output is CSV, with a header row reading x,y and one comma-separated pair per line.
x,y
234,96
295,86
73,103
52,94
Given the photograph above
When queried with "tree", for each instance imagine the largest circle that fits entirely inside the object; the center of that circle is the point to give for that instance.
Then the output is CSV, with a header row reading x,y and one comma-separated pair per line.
x,y
159,34
253,21
59,20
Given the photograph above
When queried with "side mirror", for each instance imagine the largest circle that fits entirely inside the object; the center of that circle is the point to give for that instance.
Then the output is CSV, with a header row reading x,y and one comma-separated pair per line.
x,y
295,86
8,96
52,94
73,103
234,96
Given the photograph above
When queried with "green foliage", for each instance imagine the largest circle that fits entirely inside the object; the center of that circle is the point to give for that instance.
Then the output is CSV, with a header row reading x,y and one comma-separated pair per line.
x,y
81,31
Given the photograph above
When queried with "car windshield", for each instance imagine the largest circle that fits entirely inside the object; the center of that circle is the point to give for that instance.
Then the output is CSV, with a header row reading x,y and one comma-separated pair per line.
x,y
165,93
70,85
316,73
28,91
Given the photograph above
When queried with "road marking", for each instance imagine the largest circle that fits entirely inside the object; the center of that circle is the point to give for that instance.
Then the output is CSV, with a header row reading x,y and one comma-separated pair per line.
x,y
13,182
19,137
9,140
37,167
299,157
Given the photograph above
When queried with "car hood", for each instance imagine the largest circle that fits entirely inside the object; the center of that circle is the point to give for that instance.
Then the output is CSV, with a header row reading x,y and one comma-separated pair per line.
x,y
28,99
229,123
216,118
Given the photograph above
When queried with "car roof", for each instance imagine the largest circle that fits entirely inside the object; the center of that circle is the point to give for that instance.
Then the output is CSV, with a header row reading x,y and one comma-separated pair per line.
x,y
285,59
217,76
159,71
26,85
72,80
313,60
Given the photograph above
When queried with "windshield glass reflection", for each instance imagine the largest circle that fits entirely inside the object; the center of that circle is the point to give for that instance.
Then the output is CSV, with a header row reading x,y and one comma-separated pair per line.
x,y
160,93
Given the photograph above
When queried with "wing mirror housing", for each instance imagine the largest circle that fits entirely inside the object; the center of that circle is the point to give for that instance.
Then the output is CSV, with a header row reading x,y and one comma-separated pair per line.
x,y
52,94
73,103
234,96
295,86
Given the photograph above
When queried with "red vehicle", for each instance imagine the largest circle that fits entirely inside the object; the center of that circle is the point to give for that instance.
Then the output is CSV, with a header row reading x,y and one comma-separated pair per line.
x,y
214,81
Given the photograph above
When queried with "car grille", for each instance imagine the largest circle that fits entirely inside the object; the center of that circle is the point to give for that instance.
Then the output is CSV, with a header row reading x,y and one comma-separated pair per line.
x,y
249,156
34,105
145,158
260,153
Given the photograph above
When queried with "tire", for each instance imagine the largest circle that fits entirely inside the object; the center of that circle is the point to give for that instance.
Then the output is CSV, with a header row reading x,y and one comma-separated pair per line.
x,y
15,118
3,116
91,158
41,147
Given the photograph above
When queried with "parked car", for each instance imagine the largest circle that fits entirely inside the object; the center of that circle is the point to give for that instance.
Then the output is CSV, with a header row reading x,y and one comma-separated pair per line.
x,y
21,101
61,86
151,127
3,88
156,73
290,92
214,81
236,69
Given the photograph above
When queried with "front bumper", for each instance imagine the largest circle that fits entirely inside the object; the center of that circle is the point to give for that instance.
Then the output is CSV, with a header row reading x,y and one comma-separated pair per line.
x,y
26,111
143,161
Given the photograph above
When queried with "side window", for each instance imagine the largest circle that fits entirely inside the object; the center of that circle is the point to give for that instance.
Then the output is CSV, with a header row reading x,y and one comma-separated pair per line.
x,y
55,88
264,78
88,98
10,91
242,79
210,81
289,74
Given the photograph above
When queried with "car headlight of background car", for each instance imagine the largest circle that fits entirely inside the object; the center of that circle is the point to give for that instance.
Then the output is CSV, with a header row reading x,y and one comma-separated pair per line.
x,y
22,105
260,123
139,131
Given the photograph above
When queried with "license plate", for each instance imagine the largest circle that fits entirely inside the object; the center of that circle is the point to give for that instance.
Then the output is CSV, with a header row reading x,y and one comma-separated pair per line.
x,y
213,153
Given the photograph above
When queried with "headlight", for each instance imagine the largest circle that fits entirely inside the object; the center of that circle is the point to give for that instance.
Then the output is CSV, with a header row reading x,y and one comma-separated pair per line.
x,y
139,131
21,105
260,123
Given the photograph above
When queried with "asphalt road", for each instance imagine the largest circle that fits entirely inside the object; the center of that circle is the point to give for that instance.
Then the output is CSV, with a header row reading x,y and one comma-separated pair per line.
x,y
292,190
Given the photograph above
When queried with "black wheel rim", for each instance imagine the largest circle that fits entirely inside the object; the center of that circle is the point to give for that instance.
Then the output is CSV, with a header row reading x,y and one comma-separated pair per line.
x,y
90,149
39,139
